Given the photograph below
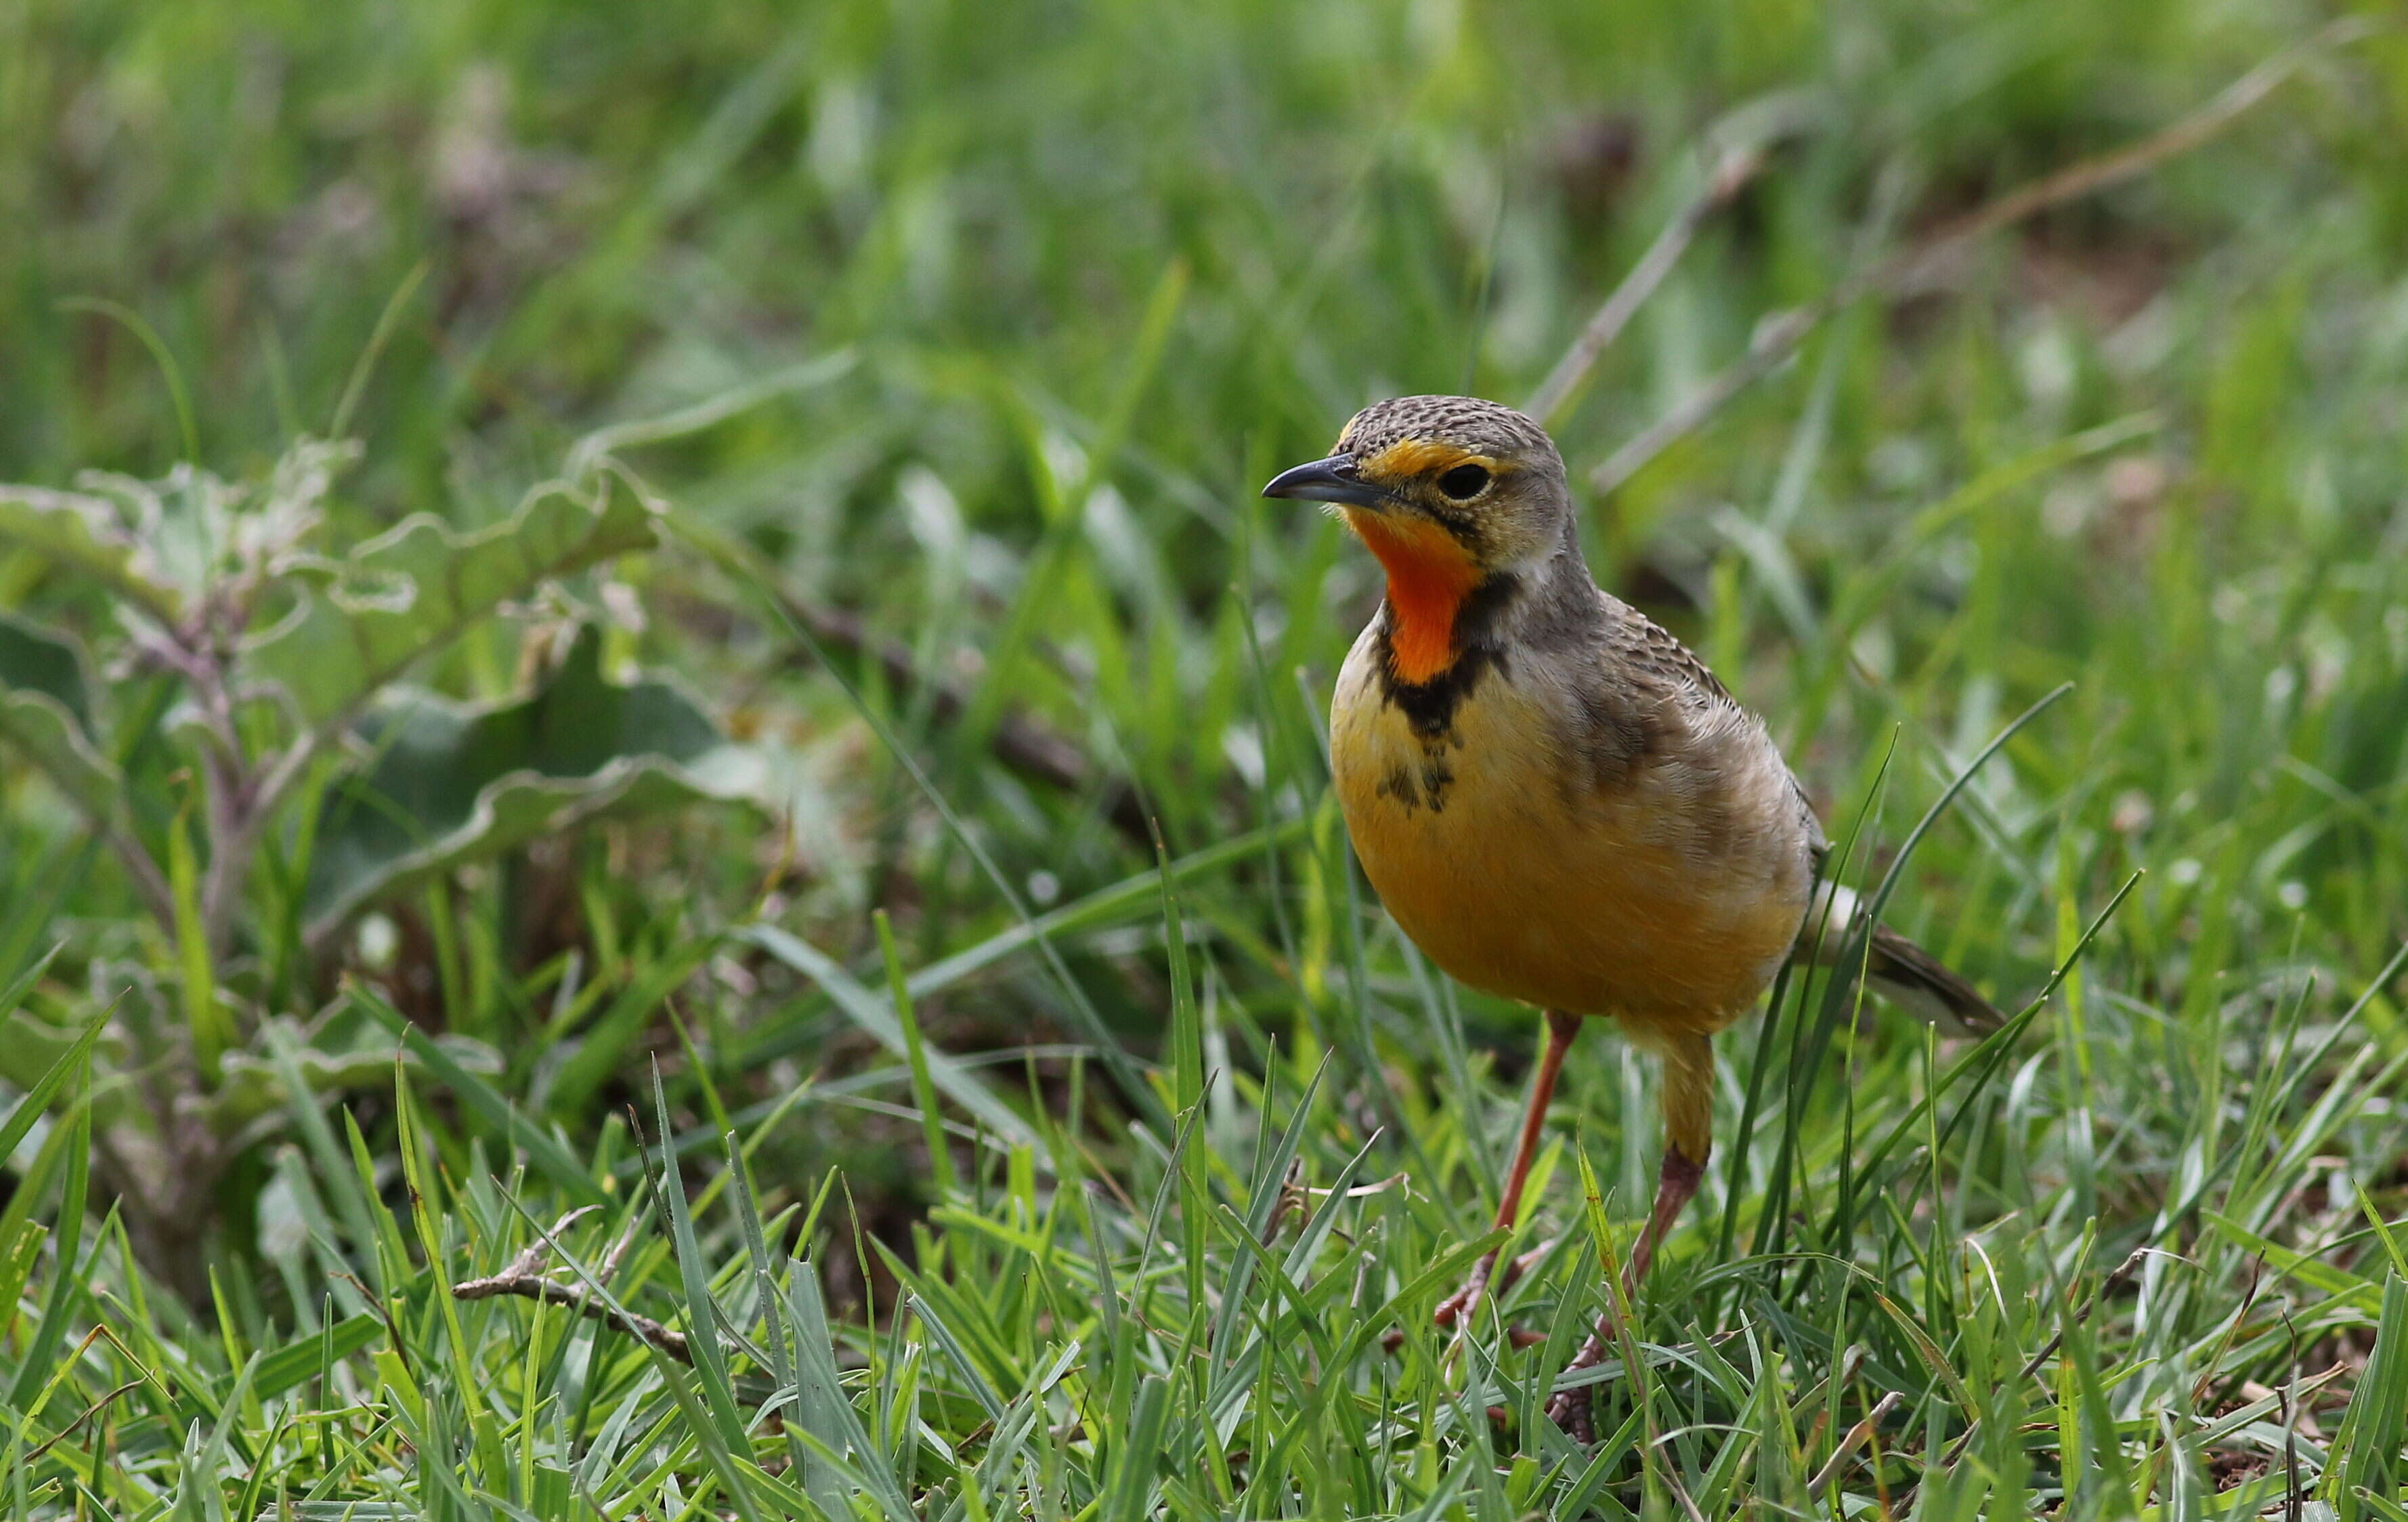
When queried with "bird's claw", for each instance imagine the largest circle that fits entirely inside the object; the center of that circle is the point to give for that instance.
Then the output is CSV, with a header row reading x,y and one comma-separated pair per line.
x,y
1571,1409
1460,1304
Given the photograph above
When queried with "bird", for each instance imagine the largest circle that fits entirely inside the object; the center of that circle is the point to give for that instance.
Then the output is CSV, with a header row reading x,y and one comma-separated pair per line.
x,y
1556,801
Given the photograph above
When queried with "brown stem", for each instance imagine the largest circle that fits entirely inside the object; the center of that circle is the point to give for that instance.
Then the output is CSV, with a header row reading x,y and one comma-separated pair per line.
x,y
228,795
150,884
200,650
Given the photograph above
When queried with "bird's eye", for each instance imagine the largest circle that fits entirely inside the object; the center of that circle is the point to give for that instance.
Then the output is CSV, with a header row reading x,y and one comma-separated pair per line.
x,y
1463,482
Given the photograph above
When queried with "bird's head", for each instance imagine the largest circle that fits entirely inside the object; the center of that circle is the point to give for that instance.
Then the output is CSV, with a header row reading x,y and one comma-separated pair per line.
x,y
1449,492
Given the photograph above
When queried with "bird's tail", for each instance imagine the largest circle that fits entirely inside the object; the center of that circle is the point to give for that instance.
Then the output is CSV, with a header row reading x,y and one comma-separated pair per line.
x,y
1896,969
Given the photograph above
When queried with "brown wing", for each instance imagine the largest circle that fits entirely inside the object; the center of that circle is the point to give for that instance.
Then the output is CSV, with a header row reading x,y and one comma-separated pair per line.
x,y
1654,650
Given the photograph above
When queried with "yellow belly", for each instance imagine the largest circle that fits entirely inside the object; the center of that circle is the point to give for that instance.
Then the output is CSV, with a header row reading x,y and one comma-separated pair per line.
x,y
1519,875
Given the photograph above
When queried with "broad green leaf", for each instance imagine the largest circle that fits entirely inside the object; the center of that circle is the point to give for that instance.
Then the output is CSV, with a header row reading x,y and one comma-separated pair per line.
x,y
36,659
89,536
416,587
167,546
451,783
252,1083
46,732
46,715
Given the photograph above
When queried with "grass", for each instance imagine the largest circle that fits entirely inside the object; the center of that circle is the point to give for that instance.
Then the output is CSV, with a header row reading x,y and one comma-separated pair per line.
x,y
1091,1188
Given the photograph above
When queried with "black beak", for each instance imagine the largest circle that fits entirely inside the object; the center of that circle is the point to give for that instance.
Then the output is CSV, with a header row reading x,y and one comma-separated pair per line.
x,y
1326,480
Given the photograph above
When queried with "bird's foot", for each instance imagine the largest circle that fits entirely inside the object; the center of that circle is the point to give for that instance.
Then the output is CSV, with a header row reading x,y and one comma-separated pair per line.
x,y
1457,1308
1464,1301
1571,1409
1460,1305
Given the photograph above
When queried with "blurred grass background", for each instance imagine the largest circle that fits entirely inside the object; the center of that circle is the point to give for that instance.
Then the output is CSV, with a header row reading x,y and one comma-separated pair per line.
x,y
1102,268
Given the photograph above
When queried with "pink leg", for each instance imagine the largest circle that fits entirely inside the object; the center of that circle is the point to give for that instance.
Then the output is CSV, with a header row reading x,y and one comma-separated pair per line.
x,y
1561,1029
1675,1182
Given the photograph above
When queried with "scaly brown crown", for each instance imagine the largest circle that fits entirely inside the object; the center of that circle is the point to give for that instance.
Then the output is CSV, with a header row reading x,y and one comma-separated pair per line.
x,y
1467,422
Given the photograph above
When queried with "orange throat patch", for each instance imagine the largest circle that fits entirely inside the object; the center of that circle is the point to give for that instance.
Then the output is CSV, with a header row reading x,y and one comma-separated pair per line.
x,y
1429,574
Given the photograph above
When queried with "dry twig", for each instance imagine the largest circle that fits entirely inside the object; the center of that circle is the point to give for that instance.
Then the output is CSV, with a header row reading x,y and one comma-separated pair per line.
x,y
1908,268
524,1278
552,1292
89,1412
1737,166
1858,1436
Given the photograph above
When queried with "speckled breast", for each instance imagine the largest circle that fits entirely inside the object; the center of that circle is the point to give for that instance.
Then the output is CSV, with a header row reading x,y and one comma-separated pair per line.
x,y
1510,870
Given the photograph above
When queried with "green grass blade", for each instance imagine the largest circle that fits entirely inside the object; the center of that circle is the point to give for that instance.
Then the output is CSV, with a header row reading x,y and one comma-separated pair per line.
x,y
871,1013
542,1148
